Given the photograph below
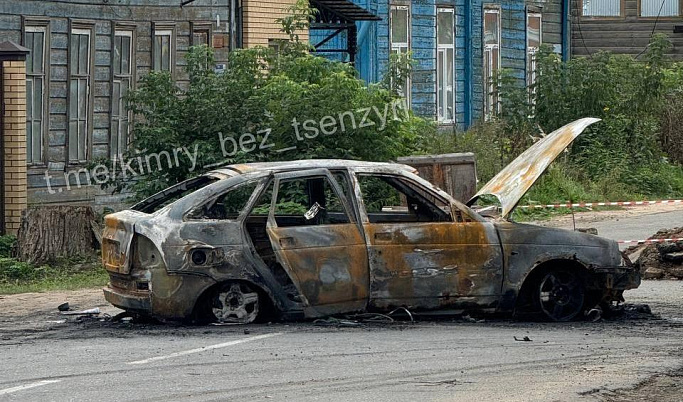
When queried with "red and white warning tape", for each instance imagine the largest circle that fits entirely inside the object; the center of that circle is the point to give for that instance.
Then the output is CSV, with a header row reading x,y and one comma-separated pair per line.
x,y
602,204
651,241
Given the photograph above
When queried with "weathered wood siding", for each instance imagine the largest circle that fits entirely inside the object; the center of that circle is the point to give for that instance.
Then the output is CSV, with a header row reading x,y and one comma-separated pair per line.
x,y
551,11
512,47
374,48
138,13
423,47
628,34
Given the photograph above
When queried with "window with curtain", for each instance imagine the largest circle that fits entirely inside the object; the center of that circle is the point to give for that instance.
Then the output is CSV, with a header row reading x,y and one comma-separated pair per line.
x,y
533,43
491,61
601,8
163,49
399,35
445,67
661,8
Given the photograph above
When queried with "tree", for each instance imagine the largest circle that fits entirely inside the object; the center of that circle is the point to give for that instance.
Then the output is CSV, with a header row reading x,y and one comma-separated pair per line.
x,y
266,106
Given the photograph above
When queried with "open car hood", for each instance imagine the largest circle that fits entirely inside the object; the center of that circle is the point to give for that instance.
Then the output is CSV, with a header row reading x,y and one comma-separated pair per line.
x,y
510,185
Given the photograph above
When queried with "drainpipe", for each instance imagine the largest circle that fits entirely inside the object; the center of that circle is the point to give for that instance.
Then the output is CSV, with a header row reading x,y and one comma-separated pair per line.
x,y
3,225
235,24
468,64
566,37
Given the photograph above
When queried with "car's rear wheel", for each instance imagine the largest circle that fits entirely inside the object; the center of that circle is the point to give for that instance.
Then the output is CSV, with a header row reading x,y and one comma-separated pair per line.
x,y
560,295
234,302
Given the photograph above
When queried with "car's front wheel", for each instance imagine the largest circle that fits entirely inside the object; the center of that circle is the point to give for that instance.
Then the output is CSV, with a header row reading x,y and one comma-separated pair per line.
x,y
560,295
234,302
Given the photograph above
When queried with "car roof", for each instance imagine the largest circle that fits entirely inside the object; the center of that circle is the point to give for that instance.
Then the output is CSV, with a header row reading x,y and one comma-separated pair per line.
x,y
244,168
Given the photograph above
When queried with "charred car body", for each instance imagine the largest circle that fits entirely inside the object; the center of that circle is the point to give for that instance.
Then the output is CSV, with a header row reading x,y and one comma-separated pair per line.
x,y
306,239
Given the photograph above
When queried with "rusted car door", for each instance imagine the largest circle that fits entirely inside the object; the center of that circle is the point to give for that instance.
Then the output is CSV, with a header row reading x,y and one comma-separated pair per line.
x,y
424,255
318,241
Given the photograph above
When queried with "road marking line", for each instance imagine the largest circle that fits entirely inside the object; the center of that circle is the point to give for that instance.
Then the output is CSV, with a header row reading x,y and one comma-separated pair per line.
x,y
27,386
205,348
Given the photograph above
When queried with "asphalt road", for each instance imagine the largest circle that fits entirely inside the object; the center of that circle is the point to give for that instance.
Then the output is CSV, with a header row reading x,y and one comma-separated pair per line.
x,y
43,358
621,226
639,227
447,360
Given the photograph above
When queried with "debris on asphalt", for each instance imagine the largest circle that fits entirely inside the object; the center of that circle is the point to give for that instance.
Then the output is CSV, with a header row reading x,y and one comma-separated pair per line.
x,y
92,311
525,339
594,314
592,231
660,260
335,322
55,322
468,318
444,382
632,312
63,307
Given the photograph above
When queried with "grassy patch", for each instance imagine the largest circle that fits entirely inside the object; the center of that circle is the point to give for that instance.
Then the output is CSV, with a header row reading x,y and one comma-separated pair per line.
x,y
65,274
95,277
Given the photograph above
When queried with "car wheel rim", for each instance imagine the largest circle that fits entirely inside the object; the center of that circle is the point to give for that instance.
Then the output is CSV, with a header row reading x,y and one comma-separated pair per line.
x,y
561,296
236,303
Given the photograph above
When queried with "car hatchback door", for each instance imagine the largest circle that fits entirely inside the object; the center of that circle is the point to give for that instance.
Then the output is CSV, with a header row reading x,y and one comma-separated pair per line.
x,y
317,240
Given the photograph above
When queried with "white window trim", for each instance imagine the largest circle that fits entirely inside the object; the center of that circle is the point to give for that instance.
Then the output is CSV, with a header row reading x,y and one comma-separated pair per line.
x,y
35,28
488,48
170,33
443,48
402,47
81,31
127,32
532,50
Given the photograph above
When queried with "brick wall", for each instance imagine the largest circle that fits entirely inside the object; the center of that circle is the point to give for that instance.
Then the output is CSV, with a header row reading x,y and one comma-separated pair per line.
x,y
14,131
260,21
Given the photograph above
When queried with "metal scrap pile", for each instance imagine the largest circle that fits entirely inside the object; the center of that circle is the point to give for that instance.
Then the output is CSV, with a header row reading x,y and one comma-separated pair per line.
x,y
661,260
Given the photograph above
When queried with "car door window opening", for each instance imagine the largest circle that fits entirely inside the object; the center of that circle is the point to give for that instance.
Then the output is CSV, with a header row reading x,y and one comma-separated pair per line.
x,y
308,201
172,194
390,199
229,205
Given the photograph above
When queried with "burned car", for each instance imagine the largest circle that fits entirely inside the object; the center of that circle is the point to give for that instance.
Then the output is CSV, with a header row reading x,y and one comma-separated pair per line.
x,y
306,239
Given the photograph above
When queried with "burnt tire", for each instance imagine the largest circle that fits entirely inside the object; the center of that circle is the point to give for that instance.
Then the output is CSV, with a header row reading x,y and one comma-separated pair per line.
x,y
233,302
560,295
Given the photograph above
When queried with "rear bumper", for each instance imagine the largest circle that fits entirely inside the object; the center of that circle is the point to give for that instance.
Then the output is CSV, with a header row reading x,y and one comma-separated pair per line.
x,y
139,302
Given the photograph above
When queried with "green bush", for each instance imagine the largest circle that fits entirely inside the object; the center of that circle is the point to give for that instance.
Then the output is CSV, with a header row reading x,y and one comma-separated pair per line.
x,y
7,244
71,273
14,270
631,154
265,94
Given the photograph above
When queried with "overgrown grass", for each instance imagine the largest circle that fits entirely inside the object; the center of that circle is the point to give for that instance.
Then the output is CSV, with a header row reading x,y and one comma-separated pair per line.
x,y
565,180
65,274
95,277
